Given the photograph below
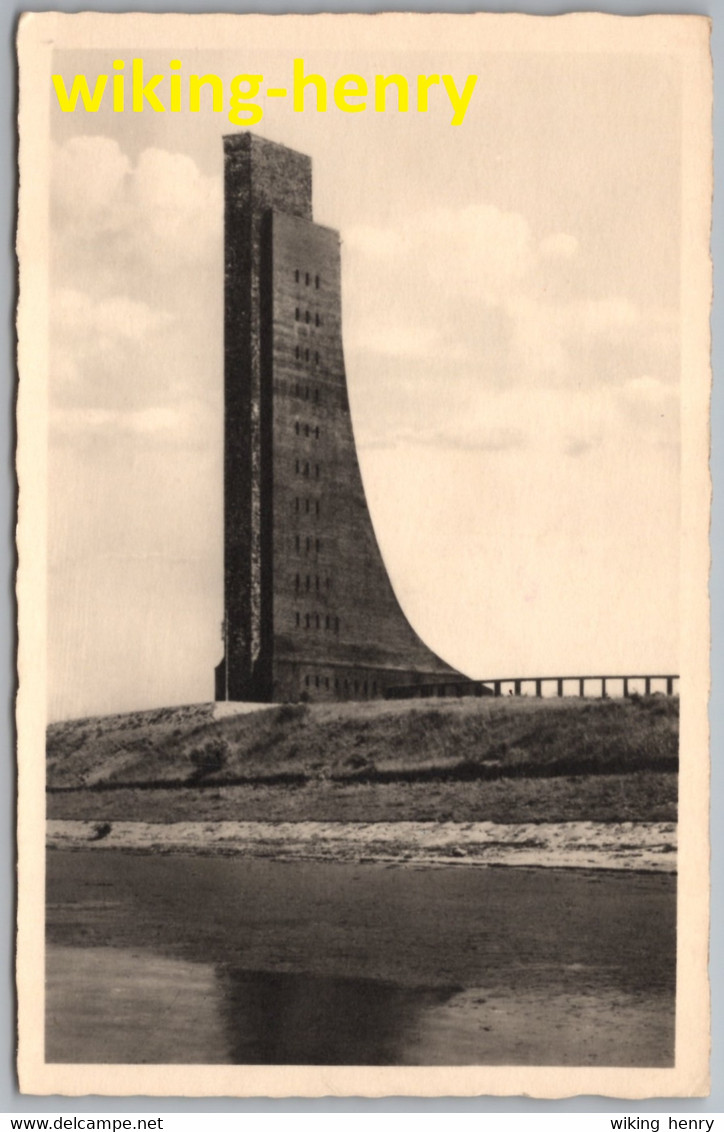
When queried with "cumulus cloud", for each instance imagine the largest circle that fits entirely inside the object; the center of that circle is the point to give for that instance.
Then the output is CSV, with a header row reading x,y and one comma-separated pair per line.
x,y
157,215
175,211
478,291
88,176
479,249
133,243
105,351
449,308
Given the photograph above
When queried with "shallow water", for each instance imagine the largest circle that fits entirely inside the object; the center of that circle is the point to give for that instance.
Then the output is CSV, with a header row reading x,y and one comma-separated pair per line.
x,y
108,1005
189,961
111,1005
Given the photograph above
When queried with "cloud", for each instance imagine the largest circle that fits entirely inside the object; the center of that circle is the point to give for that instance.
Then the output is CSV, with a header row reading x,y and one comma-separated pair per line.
x,y
474,439
652,407
175,210
117,222
88,176
479,249
552,339
186,424
134,245
491,438
577,446
104,351
118,317
538,332
650,389
476,296
517,421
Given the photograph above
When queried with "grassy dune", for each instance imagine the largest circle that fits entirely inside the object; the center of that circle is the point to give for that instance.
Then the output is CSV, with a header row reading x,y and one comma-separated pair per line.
x,y
465,760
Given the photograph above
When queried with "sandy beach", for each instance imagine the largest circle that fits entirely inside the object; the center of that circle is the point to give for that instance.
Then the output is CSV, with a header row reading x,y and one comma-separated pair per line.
x,y
648,846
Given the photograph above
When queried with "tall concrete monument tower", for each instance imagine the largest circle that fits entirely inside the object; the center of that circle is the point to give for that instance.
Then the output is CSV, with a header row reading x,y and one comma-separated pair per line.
x,y
309,611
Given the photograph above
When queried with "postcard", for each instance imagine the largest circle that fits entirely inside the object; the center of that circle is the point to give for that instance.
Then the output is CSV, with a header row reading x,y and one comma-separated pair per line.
x,y
363,427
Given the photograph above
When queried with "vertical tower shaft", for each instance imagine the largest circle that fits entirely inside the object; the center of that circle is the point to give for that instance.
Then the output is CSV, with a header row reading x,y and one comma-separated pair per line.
x,y
259,177
309,611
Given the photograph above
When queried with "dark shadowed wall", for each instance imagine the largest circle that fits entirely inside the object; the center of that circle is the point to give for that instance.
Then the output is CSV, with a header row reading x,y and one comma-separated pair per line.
x,y
309,608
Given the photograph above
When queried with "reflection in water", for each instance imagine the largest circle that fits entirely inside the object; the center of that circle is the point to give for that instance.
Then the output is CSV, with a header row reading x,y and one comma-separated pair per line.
x,y
291,1019
558,968
107,1005
116,1006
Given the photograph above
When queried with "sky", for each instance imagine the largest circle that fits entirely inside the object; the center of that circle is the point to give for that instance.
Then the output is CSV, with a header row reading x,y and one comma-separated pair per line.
x,y
511,314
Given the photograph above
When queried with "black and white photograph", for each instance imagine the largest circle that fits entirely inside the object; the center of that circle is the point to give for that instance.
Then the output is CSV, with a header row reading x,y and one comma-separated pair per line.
x,y
364,496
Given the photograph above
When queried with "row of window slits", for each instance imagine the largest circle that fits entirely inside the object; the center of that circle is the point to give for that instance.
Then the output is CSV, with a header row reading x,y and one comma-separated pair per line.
x,y
303,391
314,621
303,468
307,316
307,506
306,392
308,544
308,582
347,686
298,354
307,278
308,430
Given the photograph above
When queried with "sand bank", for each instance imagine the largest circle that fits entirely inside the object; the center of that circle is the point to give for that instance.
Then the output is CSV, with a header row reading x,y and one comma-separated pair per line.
x,y
639,846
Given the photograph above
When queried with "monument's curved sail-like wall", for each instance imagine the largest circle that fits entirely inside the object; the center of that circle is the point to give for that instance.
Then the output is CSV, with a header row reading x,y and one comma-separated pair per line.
x,y
309,608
